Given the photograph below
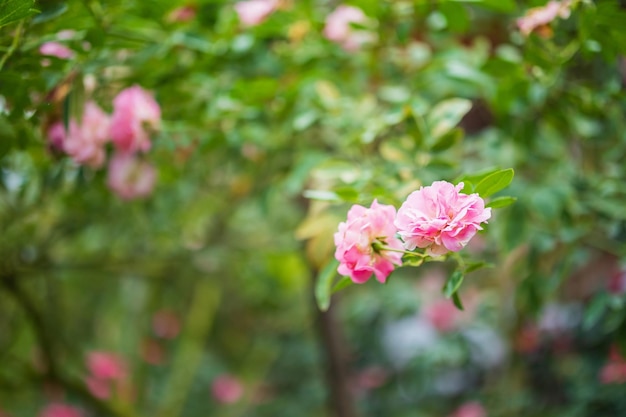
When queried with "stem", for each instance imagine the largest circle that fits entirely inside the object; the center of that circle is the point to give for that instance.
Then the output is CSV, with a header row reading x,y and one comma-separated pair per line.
x,y
41,333
379,247
337,371
14,44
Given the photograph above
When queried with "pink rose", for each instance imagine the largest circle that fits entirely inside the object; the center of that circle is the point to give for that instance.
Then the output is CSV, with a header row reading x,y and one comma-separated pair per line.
x,y
440,218
135,114
254,12
60,410
130,177
338,28
470,409
85,141
226,389
358,242
539,17
56,49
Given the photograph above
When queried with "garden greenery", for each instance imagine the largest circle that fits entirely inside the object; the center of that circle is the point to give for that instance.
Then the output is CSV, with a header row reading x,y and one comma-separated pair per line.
x,y
185,186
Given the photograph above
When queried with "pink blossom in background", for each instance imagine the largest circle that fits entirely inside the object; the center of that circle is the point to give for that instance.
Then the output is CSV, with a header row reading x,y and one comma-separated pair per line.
x,y
165,324
85,141
135,114
66,34
539,17
338,28
226,389
99,388
443,315
105,369
254,12
60,410
527,339
617,281
56,136
371,378
106,366
356,238
182,14
56,49
130,177
152,352
614,371
470,409
439,218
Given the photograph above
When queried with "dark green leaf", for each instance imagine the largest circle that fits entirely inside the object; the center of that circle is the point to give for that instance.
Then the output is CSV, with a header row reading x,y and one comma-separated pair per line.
x,y
595,311
448,140
50,13
323,284
494,182
474,266
457,301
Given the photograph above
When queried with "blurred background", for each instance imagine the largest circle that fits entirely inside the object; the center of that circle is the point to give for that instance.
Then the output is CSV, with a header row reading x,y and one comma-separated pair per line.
x,y
177,278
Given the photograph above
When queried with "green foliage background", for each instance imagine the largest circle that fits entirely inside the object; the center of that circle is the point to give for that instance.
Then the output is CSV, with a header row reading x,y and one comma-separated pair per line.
x,y
270,134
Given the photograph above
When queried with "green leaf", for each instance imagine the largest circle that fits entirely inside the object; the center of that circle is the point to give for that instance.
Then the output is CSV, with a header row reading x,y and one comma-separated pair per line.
x,y
453,284
448,140
474,266
595,311
470,180
321,195
457,301
446,115
501,202
505,6
494,182
410,260
323,284
347,193
50,13
14,10
341,284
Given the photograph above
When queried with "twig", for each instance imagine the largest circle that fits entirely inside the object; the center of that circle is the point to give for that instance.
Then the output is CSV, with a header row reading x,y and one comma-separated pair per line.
x,y
14,44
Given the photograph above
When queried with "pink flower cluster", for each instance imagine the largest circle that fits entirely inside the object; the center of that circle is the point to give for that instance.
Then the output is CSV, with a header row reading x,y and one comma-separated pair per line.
x,y
338,26
440,218
105,369
358,242
437,218
135,116
539,18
